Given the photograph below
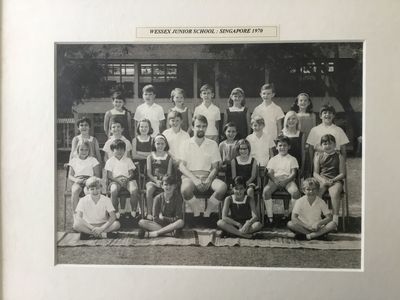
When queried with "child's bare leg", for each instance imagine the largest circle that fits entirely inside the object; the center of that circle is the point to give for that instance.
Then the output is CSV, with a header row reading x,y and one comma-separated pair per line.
x,y
113,227
114,190
232,229
267,194
150,190
256,226
149,225
334,192
81,226
134,198
297,228
324,230
294,192
250,192
178,224
76,189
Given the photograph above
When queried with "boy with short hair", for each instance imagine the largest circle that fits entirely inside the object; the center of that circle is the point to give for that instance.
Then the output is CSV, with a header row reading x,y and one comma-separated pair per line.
x,y
269,111
175,134
306,222
282,171
150,110
327,114
95,213
120,173
116,130
210,111
261,142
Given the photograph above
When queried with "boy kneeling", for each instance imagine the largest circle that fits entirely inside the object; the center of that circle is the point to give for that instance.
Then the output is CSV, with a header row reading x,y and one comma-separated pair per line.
x,y
167,211
306,220
95,213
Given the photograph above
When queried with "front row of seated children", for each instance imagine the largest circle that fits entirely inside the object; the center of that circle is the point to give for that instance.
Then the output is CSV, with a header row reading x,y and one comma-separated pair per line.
x,y
96,214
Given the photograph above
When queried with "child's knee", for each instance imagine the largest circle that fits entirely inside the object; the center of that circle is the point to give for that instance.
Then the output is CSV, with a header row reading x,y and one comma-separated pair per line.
x,y
116,225
290,225
221,223
179,224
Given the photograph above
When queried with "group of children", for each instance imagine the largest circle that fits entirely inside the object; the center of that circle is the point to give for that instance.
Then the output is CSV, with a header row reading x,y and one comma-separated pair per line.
x,y
287,154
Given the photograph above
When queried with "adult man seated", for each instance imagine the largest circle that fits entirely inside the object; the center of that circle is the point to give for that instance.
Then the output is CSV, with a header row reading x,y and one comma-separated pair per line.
x,y
200,159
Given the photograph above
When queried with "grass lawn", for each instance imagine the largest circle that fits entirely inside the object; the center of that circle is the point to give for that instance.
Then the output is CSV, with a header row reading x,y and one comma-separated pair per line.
x,y
212,256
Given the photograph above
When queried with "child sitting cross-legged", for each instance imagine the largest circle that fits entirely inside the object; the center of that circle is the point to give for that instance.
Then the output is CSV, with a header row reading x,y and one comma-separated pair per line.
x,y
239,216
95,213
306,220
167,211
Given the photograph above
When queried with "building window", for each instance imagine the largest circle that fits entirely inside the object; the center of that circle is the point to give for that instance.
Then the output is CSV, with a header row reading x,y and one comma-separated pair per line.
x,y
167,76
120,76
154,73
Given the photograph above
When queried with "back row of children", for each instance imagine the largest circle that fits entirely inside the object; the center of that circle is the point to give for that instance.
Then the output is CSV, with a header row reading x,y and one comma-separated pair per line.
x,y
242,153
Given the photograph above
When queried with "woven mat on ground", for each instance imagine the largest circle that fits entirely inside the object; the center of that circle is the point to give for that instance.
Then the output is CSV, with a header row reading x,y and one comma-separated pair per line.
x,y
212,237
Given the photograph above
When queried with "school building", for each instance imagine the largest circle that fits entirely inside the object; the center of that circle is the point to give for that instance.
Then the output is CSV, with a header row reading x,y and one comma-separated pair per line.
x,y
248,66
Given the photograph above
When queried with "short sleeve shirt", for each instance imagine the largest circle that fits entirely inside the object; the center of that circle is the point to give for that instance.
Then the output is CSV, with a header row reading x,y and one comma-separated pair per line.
x,y
314,138
282,165
310,214
260,147
175,140
199,158
212,114
154,113
119,167
95,213
107,146
271,114
83,167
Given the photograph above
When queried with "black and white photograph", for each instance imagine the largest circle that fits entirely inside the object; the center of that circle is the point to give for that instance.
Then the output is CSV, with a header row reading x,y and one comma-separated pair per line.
x,y
243,155
199,150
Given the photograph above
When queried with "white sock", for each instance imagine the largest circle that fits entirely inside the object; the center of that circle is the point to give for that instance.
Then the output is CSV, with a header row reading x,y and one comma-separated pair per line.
x,y
212,204
133,213
336,219
118,214
268,208
195,205
291,205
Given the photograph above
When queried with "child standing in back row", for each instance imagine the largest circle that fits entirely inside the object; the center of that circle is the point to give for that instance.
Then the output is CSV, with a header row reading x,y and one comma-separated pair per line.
x,y
151,110
210,111
178,98
269,111
304,109
120,113
237,113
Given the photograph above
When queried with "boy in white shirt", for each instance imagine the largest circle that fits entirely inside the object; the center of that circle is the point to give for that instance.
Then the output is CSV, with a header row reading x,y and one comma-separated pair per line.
x,y
116,130
327,115
120,172
282,171
150,110
175,135
271,113
306,222
210,111
261,142
95,213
